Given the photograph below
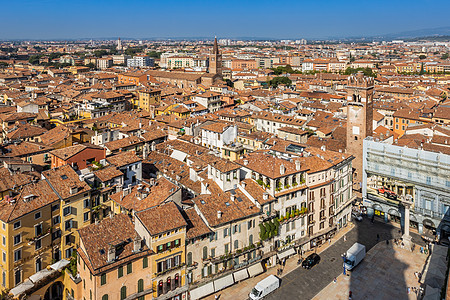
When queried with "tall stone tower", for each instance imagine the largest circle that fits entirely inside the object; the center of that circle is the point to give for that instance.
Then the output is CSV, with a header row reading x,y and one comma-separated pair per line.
x,y
359,119
215,60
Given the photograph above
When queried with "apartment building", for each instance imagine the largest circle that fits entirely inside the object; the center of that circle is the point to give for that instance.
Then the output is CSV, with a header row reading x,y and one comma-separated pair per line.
x,y
393,174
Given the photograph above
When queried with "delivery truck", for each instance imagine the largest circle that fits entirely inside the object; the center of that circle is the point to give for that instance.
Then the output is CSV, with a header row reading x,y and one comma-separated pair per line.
x,y
265,287
354,256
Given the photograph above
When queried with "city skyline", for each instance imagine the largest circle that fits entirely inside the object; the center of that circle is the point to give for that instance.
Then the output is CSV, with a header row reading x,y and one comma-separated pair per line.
x,y
173,19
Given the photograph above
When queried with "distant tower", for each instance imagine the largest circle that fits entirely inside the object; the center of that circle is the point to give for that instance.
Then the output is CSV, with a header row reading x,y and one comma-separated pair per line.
x,y
119,45
215,60
359,119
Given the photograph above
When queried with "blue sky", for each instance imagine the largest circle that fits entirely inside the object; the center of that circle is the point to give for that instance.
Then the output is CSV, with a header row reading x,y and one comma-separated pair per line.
x,y
59,19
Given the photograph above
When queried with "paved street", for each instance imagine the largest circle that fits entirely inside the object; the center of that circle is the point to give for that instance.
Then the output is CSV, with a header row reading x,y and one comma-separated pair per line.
x,y
394,272
298,283
305,284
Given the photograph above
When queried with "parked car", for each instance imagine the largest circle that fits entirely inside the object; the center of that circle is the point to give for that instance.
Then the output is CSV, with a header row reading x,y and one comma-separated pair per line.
x,y
311,261
357,217
387,193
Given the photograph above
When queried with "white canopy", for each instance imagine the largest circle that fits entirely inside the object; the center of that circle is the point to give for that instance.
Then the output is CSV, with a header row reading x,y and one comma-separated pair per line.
x,y
240,275
202,291
59,265
255,269
221,283
41,275
22,288
286,253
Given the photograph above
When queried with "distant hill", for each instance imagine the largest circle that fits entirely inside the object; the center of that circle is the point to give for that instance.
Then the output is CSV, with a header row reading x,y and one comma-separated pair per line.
x,y
413,34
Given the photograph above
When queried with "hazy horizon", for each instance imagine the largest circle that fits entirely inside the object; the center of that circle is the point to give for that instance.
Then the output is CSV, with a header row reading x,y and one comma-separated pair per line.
x,y
52,20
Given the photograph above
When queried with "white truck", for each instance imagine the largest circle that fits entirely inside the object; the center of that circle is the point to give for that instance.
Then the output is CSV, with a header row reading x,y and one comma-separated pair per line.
x,y
265,287
354,256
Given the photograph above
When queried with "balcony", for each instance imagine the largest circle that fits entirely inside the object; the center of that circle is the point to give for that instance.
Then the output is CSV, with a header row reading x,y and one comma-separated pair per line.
x,y
170,270
237,253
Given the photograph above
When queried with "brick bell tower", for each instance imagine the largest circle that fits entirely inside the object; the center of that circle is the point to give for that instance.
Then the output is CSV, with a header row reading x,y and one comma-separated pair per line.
x,y
215,60
359,120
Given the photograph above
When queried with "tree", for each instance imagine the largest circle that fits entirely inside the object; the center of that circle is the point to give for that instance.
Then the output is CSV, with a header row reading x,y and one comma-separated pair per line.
x,y
279,80
422,56
133,50
154,54
444,56
283,70
34,59
262,232
100,53
367,71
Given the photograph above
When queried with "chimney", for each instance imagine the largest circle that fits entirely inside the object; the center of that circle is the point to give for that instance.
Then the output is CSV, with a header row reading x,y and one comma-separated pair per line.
x,y
282,169
219,214
323,148
243,184
137,244
245,162
232,197
298,165
265,196
111,254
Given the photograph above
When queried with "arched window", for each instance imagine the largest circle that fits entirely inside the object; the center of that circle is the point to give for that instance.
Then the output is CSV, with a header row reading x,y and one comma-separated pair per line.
x,y
176,280
205,252
160,287
105,297
250,239
236,244
140,285
123,293
189,258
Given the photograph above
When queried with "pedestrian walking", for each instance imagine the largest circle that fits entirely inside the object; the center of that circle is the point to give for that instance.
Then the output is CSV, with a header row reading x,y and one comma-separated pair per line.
x,y
350,295
335,280
345,238
329,241
387,242
284,262
378,237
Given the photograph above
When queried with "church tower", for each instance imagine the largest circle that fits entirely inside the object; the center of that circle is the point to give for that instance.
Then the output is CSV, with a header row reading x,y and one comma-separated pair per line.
x,y
215,60
359,119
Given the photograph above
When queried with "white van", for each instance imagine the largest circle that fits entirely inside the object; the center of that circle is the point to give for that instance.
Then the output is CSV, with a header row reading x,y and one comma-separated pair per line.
x,y
265,287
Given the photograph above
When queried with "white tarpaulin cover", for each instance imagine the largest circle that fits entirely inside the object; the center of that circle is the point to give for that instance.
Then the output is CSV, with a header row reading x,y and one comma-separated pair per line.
x,y
286,253
59,265
202,291
41,275
178,155
223,282
240,275
255,269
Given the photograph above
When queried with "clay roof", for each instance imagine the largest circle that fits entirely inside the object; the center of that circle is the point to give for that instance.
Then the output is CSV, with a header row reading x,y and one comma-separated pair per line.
x,y
163,218
123,159
196,227
64,180
117,231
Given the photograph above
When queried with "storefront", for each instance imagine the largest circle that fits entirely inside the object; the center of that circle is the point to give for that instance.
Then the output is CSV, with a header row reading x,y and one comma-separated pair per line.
x,y
394,216
378,212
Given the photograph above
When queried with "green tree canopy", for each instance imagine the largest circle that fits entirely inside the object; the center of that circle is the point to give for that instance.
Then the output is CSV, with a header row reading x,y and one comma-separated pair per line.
x,y
422,56
283,70
279,80
367,71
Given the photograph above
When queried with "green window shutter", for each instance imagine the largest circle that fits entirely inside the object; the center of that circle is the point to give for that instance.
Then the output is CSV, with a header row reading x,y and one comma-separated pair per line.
x,y
120,272
140,285
129,268
145,262
103,279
